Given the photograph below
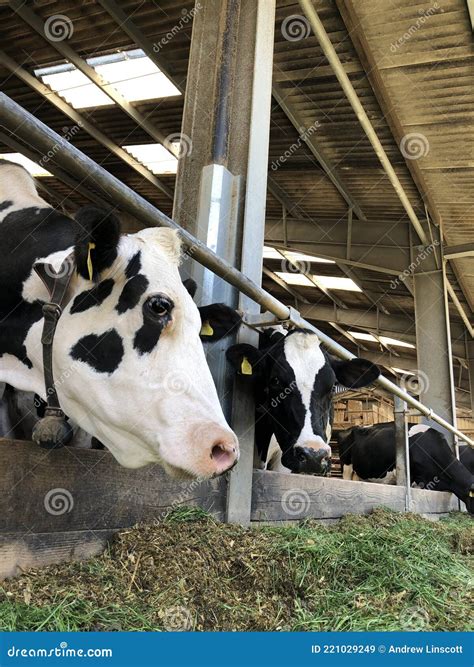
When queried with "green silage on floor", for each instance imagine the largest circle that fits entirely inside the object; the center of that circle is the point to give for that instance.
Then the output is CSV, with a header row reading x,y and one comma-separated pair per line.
x,y
386,571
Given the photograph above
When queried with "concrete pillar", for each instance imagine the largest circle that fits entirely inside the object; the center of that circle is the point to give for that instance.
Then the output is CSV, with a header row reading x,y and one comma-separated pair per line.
x,y
221,183
433,339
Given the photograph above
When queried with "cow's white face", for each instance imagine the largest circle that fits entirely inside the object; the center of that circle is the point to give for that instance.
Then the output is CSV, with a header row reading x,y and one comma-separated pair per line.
x,y
129,365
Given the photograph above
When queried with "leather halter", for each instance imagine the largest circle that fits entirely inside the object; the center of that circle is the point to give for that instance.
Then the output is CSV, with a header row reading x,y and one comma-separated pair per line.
x,y
57,283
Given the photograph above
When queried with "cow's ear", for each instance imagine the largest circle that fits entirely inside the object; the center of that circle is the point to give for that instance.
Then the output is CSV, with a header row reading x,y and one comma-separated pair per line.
x,y
244,358
355,373
191,286
97,239
218,321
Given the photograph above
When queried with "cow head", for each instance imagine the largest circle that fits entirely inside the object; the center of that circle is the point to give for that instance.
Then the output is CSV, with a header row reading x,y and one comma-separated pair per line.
x,y
293,382
129,363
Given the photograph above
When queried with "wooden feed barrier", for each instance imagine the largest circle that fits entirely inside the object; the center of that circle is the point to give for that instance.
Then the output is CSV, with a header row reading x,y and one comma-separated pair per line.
x,y
65,504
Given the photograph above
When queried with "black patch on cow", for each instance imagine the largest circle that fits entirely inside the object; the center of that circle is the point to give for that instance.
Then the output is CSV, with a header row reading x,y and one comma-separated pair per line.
x,y
15,327
97,239
102,352
25,236
147,337
134,265
5,204
92,297
132,293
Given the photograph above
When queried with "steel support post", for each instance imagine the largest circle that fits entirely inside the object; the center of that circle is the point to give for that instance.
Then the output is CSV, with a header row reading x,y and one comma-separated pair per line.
x,y
402,448
221,184
433,339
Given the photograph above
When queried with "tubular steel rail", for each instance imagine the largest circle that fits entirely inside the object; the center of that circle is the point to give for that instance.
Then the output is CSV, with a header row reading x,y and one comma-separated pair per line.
x,y
45,141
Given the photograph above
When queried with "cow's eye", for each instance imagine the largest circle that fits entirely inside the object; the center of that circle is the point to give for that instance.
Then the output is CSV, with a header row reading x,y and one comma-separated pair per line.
x,y
158,306
275,382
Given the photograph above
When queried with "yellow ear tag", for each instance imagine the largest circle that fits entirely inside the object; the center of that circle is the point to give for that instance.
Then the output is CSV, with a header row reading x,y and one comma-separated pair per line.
x,y
90,247
206,329
471,494
246,367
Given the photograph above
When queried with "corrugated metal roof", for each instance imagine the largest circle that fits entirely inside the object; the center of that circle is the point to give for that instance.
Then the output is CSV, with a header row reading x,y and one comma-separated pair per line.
x,y
429,78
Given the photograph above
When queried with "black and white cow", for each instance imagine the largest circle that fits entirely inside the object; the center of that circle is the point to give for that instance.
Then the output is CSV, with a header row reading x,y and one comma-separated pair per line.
x,y
292,379
129,364
368,453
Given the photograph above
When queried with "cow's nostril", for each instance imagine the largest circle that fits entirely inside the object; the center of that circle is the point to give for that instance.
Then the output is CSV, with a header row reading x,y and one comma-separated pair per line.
x,y
223,455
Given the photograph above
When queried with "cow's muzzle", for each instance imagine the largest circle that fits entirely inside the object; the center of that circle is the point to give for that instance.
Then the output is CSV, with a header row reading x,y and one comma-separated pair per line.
x,y
308,461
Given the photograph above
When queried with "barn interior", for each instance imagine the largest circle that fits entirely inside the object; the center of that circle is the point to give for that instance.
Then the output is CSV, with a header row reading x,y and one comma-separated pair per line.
x,y
120,82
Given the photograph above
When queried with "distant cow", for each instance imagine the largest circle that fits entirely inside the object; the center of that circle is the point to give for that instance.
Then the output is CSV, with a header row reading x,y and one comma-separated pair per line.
x,y
292,379
369,454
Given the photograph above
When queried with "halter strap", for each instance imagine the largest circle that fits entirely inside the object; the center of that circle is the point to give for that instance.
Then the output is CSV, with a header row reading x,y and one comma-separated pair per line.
x,y
57,284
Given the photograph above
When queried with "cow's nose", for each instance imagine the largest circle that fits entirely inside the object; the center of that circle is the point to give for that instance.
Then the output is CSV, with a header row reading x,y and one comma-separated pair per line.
x,y
221,449
312,461
224,454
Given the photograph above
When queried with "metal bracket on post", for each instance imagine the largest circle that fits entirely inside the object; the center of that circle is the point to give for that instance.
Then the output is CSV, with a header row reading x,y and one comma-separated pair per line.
x,y
267,319
402,450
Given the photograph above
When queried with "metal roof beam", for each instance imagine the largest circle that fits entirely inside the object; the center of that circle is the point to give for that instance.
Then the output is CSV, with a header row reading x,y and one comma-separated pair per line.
x,y
353,99
301,127
127,25
33,20
375,78
61,175
454,251
81,121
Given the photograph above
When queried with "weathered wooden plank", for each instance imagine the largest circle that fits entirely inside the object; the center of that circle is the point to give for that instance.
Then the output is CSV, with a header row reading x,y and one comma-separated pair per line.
x,y
19,553
283,497
72,489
